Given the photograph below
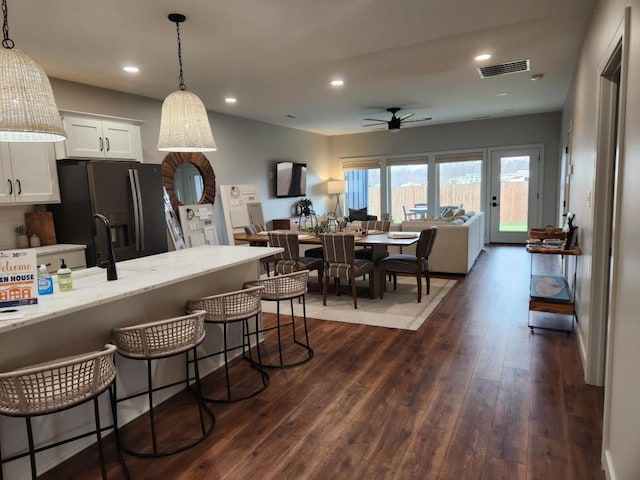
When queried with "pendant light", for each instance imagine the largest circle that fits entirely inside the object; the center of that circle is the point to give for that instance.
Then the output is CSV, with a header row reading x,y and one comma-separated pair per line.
x,y
28,111
184,124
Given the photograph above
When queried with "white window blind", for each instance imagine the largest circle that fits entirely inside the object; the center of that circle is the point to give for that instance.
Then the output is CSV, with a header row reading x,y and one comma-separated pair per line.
x,y
459,157
407,161
360,164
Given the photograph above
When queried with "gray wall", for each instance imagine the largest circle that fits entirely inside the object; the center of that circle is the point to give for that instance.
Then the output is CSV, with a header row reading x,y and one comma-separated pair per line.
x,y
519,130
621,435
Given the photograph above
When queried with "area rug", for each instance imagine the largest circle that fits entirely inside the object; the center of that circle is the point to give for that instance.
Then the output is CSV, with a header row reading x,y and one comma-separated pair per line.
x,y
398,309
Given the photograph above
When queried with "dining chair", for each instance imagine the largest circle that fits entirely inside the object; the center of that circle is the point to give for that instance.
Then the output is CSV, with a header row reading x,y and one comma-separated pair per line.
x,y
417,264
408,215
340,262
367,252
290,260
254,229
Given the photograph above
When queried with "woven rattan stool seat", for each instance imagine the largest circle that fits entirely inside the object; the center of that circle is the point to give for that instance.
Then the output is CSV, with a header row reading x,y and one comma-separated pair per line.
x,y
286,287
160,339
56,386
225,309
154,341
50,388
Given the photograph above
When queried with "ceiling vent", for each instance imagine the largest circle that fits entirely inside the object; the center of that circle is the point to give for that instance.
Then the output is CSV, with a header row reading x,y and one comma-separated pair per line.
x,y
504,68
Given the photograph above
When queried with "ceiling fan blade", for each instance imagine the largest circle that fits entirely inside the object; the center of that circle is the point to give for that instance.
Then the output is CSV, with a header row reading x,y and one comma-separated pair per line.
x,y
418,120
375,120
403,117
372,124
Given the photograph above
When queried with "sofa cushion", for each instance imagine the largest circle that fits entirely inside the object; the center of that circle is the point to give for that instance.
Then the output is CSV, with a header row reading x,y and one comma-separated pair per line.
x,y
358,214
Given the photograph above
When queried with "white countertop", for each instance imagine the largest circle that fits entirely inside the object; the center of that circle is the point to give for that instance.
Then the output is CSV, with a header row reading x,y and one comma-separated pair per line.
x,y
91,288
58,248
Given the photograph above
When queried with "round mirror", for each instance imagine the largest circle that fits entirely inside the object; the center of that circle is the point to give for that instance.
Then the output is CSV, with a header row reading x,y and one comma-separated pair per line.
x,y
188,184
188,179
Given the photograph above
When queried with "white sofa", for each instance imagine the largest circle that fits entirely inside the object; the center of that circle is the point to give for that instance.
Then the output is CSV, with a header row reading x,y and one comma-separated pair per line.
x,y
456,247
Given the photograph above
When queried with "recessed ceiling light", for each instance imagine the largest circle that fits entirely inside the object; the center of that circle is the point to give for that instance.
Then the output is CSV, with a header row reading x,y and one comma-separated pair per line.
x,y
482,57
503,94
337,83
131,69
537,76
231,99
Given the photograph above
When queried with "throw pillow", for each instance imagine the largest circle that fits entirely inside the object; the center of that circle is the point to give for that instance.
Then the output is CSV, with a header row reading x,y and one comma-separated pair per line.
x,y
458,212
458,221
447,212
358,214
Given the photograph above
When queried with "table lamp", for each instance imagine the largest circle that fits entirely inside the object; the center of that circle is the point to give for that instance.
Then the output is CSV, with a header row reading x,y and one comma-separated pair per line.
x,y
336,187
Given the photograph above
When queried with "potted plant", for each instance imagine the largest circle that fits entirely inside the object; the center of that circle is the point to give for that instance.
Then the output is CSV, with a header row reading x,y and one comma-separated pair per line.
x,y
304,206
22,241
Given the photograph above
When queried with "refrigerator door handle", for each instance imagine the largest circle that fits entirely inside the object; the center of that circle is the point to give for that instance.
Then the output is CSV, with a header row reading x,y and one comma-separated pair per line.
x,y
140,210
133,185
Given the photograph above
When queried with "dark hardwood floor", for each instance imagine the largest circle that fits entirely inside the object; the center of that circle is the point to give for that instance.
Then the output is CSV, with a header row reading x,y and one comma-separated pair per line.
x,y
471,395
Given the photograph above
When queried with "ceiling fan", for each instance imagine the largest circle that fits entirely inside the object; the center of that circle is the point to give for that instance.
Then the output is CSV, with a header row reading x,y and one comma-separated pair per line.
x,y
394,123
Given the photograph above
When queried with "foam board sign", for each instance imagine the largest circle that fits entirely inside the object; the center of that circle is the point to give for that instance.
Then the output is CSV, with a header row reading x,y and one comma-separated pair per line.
x,y
18,277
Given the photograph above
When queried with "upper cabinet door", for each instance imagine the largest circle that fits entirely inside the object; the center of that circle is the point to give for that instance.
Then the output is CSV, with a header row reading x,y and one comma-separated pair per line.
x,y
6,175
84,137
121,140
34,173
99,137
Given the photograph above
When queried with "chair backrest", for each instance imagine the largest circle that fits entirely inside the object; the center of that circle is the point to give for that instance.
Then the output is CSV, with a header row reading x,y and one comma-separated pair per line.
x,y
288,241
425,242
338,247
254,229
229,306
381,225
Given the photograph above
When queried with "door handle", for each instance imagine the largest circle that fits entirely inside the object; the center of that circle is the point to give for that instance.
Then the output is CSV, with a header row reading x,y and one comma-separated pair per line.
x,y
19,186
495,204
101,143
108,144
10,187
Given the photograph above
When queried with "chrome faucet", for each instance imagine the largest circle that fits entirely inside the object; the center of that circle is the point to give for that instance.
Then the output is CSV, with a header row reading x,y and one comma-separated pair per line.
x,y
109,264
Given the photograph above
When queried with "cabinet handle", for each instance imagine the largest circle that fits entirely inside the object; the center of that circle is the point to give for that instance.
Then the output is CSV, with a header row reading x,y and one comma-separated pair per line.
x,y
19,186
10,187
101,143
108,144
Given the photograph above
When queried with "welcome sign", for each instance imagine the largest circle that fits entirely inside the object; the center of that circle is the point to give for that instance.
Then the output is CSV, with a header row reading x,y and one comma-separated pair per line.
x,y
18,277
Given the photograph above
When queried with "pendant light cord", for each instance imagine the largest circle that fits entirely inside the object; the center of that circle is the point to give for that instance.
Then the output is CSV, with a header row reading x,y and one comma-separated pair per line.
x,y
6,41
181,76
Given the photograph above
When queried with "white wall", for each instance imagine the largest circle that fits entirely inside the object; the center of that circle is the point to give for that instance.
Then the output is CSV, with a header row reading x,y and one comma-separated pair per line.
x,y
247,150
622,412
518,130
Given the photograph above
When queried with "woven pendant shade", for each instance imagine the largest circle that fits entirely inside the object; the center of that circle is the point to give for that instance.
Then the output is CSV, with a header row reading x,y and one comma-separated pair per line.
x,y
28,111
184,125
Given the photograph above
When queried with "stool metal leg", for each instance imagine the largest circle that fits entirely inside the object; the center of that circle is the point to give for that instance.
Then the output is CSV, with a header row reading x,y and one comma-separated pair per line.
x,y
196,372
279,336
96,415
116,431
151,416
32,454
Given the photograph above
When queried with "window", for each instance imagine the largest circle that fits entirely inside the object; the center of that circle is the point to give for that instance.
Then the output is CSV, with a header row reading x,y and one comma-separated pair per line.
x,y
460,184
409,191
363,185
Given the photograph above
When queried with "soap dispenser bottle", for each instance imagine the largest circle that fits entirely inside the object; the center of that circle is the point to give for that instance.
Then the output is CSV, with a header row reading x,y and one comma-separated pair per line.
x,y
45,282
65,282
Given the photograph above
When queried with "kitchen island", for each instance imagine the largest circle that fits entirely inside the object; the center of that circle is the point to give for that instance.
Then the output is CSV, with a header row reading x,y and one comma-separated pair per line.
x,y
68,323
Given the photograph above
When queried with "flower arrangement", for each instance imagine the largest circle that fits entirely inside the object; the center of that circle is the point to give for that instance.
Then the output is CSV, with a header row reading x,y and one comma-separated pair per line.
x,y
304,206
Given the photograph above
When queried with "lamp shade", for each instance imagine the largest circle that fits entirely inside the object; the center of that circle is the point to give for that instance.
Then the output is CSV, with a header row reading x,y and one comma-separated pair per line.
x,y
184,124
336,186
28,111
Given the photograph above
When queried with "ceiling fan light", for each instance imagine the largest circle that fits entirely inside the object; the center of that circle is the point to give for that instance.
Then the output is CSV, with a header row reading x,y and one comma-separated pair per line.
x,y
394,129
184,125
28,111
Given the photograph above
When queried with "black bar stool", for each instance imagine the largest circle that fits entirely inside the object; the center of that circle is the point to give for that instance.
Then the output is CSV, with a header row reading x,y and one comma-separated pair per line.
x,y
290,286
63,384
159,340
225,310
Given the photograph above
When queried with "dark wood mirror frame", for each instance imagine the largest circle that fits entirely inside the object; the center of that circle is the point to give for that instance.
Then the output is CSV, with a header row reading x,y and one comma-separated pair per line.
x,y
171,163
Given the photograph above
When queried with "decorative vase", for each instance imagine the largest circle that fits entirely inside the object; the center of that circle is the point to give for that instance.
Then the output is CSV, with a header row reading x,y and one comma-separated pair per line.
x,y
22,241
34,241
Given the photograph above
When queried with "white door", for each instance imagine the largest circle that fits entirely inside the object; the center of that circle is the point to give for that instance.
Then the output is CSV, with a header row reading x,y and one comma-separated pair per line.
x,y
84,137
514,195
120,140
34,172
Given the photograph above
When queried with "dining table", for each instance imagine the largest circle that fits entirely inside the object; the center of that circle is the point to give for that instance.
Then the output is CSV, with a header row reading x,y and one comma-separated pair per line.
x,y
379,241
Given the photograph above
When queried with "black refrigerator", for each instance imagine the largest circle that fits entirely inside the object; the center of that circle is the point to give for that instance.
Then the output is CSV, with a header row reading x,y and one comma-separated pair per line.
x,y
129,194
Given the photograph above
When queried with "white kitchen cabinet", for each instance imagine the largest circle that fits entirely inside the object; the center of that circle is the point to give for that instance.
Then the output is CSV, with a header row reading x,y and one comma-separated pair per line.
x,y
92,136
28,173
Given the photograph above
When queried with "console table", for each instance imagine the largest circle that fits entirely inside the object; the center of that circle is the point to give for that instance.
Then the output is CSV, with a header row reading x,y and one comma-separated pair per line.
x,y
553,293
